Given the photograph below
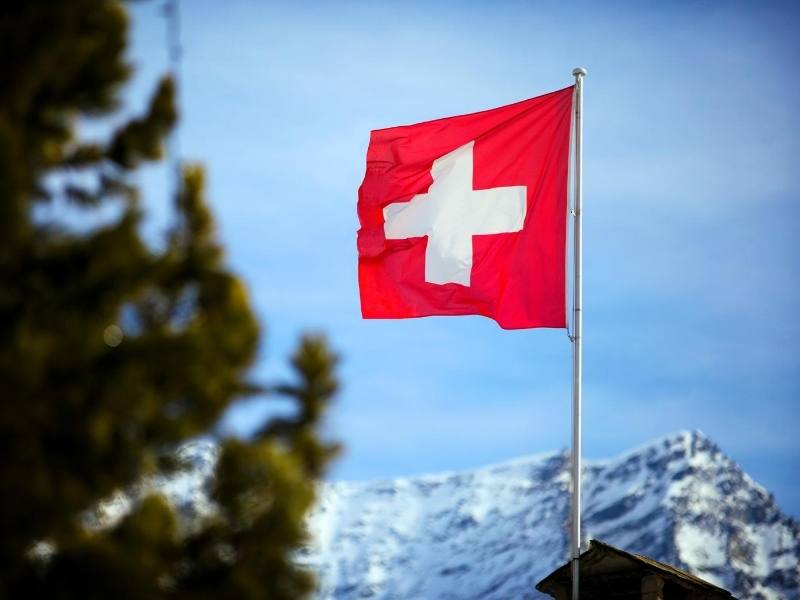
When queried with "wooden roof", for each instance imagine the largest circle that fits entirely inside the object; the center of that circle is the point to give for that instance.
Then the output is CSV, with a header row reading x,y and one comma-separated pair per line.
x,y
603,562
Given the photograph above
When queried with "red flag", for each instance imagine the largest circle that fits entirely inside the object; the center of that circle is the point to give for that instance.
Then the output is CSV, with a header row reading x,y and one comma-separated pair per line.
x,y
467,216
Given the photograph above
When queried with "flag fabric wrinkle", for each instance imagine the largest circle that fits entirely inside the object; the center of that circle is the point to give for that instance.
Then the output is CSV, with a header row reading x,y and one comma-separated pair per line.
x,y
467,215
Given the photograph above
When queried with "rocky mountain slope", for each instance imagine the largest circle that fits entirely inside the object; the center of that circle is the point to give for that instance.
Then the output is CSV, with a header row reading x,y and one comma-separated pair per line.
x,y
492,533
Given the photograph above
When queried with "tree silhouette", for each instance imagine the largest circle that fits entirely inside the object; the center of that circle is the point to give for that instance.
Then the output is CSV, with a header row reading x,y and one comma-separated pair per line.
x,y
113,352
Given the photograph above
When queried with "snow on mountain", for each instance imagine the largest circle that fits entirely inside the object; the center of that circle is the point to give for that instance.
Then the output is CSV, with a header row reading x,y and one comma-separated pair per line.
x,y
186,489
492,533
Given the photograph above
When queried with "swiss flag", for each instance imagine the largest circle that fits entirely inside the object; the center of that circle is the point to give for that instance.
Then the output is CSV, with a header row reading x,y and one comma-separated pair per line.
x,y
467,215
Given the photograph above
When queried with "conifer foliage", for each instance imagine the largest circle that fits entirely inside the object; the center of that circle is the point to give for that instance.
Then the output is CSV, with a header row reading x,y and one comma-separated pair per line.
x,y
112,352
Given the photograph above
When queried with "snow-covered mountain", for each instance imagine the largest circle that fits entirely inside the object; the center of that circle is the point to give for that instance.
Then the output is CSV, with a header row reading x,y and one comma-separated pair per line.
x,y
492,533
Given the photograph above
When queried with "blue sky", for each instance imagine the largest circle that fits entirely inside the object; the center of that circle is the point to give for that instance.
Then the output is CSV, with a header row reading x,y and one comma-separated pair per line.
x,y
691,216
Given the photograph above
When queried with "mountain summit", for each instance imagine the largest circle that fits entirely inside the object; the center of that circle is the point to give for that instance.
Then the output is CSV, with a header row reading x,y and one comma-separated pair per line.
x,y
492,533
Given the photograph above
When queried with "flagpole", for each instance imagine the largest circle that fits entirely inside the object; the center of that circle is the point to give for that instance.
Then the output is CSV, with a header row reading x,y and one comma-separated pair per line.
x,y
577,338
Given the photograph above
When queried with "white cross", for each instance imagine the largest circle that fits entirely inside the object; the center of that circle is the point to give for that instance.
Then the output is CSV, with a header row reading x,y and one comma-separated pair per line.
x,y
451,213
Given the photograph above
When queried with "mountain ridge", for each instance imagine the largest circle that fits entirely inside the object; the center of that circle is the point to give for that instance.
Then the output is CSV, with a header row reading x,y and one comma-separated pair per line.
x,y
678,499
491,533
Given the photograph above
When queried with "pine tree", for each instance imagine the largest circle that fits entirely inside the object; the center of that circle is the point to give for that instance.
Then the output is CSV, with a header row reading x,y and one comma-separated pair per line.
x,y
113,352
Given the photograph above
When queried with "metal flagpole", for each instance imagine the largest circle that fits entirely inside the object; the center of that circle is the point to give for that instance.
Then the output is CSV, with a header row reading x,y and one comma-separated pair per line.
x,y
577,338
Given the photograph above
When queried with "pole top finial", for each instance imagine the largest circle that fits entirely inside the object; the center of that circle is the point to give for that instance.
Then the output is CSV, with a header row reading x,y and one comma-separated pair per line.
x,y
579,72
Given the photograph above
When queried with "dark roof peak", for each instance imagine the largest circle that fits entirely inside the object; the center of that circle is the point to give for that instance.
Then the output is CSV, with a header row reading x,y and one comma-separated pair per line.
x,y
604,564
